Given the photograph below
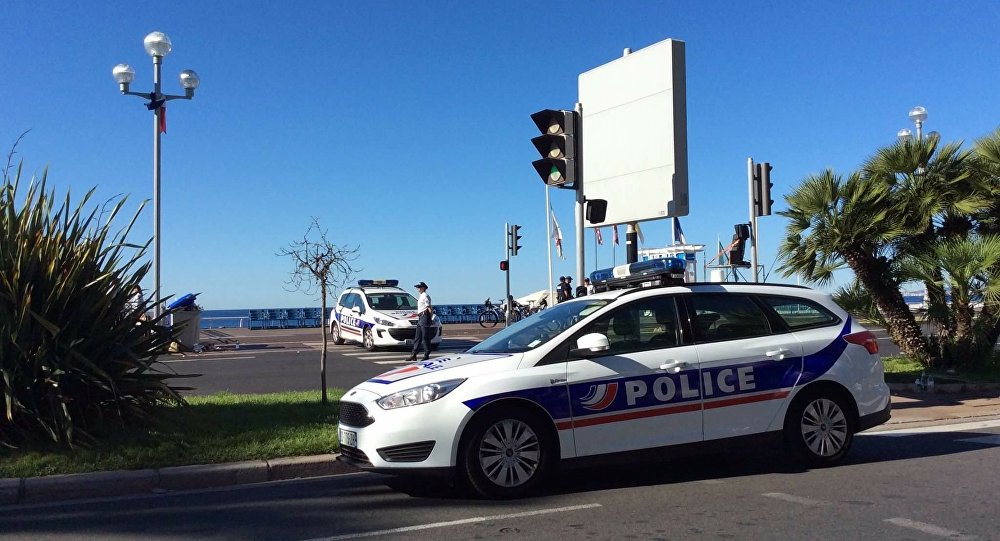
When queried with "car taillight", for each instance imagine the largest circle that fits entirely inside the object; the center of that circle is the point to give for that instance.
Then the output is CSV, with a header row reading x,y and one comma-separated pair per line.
x,y
864,338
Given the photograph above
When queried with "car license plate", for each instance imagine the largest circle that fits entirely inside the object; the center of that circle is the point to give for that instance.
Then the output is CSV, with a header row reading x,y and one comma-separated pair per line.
x,y
348,438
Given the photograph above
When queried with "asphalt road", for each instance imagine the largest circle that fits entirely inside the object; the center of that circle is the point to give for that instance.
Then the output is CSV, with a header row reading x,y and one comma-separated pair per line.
x,y
289,360
896,486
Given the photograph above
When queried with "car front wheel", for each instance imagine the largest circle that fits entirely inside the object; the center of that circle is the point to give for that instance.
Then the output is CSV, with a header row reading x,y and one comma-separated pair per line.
x,y
506,454
369,340
819,429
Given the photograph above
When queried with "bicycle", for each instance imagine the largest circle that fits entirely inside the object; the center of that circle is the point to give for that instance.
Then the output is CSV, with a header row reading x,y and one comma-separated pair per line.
x,y
490,315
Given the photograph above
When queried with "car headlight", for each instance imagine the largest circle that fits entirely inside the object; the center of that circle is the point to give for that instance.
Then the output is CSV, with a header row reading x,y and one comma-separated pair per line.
x,y
418,395
385,322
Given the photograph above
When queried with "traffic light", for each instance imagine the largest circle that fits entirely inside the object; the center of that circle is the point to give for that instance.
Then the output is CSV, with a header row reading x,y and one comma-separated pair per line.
x,y
504,265
558,145
515,239
765,189
739,246
762,189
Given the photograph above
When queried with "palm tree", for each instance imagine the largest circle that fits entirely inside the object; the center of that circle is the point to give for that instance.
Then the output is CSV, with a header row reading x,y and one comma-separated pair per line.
x,y
833,222
985,164
969,268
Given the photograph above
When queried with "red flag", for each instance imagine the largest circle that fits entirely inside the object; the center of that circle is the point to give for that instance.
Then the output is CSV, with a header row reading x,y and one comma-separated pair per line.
x,y
597,234
615,229
163,119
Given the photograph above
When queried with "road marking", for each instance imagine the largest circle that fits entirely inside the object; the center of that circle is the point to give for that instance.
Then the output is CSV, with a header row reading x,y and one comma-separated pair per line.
x,y
958,427
986,440
929,529
795,499
209,359
472,520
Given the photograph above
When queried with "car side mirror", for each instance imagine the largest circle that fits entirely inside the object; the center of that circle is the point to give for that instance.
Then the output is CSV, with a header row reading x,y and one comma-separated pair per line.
x,y
591,345
355,309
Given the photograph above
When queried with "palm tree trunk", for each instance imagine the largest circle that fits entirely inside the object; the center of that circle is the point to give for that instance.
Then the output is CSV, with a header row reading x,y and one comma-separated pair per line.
x,y
900,323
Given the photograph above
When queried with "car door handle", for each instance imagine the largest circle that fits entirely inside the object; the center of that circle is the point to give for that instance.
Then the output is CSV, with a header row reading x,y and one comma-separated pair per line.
x,y
674,366
779,353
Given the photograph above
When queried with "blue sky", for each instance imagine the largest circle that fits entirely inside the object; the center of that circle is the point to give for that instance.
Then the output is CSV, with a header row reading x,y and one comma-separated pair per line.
x,y
404,126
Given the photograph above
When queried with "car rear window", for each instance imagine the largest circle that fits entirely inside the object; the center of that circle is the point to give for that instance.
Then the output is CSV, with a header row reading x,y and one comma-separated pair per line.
x,y
800,313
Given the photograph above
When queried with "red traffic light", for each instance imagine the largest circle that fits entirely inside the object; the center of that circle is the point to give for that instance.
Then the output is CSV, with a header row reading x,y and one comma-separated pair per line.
x,y
504,265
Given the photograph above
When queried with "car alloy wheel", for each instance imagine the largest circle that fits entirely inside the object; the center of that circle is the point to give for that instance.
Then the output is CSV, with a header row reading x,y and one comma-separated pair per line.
x,y
506,452
369,340
824,427
819,428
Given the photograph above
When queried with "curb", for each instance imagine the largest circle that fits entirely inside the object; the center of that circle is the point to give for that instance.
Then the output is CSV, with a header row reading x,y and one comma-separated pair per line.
x,y
75,486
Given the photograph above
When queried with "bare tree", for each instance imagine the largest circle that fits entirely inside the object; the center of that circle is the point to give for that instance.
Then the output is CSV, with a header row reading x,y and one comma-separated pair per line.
x,y
320,265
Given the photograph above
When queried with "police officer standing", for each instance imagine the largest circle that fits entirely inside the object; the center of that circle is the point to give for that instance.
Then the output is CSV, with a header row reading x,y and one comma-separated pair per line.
x,y
425,312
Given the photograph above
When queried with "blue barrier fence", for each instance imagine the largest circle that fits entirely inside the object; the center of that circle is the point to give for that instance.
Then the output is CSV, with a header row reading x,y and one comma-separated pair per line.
x,y
286,318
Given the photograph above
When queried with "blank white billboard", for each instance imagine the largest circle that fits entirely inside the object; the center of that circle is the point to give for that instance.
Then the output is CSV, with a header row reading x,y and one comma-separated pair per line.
x,y
635,134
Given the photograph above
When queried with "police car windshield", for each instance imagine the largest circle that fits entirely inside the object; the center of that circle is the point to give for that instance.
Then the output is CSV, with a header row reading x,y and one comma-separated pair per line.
x,y
538,329
391,301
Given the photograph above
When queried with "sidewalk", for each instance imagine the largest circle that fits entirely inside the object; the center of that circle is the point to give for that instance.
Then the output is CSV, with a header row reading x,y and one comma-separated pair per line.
x,y
909,410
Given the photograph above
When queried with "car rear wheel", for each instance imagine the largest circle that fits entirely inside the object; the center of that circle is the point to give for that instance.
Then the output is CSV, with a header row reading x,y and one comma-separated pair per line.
x,y
506,453
368,340
338,338
819,429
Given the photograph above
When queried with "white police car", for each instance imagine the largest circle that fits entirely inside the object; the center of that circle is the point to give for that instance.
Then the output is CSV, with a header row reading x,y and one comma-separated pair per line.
x,y
673,367
376,314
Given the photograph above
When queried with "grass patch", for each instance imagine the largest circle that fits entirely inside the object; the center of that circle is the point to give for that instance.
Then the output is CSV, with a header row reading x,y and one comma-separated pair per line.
x,y
905,370
213,429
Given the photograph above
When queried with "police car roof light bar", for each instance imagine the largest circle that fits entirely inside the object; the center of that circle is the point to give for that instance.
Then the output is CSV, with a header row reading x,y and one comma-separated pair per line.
x,y
380,282
662,271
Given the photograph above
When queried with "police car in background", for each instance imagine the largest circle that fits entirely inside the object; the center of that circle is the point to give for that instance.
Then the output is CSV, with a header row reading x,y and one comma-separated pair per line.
x,y
376,314
648,363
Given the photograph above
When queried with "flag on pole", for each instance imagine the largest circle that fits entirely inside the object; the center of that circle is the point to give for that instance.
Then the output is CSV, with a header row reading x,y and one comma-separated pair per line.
x,y
163,119
678,232
597,234
615,237
556,233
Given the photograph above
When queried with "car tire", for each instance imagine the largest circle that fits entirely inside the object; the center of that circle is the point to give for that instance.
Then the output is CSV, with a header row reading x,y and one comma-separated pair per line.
x,y
368,341
338,338
819,428
506,453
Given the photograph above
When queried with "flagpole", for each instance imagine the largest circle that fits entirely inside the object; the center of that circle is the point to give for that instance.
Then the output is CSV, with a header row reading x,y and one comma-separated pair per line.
x,y
548,247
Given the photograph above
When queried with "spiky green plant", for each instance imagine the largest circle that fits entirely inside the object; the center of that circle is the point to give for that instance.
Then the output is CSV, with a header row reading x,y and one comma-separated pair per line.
x,y
75,356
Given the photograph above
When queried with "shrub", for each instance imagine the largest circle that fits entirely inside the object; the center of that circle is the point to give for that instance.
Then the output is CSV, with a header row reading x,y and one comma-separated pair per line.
x,y
75,358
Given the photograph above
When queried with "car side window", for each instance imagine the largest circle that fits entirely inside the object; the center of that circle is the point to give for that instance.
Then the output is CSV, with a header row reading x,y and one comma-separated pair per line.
x,y
360,303
344,301
726,317
800,314
642,325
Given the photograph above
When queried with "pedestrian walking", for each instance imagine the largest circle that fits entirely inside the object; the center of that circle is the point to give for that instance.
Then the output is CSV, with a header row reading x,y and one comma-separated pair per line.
x,y
590,286
425,315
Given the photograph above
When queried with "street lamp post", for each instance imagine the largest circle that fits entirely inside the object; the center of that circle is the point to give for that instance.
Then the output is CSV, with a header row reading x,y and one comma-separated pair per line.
x,y
158,45
918,115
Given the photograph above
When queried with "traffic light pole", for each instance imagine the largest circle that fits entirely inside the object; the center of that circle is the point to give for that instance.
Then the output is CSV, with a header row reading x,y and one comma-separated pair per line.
x,y
506,255
580,201
753,218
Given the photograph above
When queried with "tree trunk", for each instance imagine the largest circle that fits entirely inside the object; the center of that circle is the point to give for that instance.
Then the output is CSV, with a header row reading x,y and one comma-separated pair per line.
x,y
322,324
900,323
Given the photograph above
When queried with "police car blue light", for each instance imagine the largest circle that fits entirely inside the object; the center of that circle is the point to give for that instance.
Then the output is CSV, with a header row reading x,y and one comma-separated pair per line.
x,y
648,363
